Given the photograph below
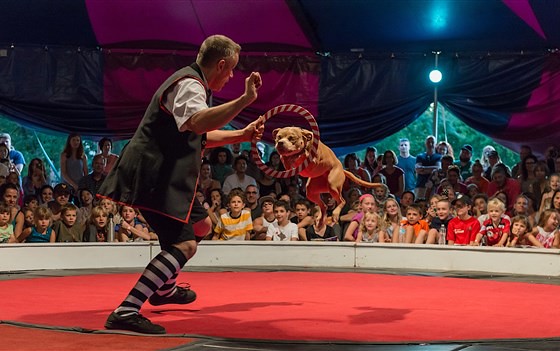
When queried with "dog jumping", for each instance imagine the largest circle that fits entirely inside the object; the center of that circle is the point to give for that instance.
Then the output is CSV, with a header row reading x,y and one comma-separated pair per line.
x,y
325,173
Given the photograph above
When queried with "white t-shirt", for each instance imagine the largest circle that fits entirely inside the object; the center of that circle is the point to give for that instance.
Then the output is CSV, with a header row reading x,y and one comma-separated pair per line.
x,y
186,98
286,233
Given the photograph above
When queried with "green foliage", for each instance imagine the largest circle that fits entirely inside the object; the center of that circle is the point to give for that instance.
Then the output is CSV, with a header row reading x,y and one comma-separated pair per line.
x,y
457,132
25,140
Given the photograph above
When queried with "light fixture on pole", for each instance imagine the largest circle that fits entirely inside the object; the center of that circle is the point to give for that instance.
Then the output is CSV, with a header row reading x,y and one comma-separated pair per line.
x,y
435,77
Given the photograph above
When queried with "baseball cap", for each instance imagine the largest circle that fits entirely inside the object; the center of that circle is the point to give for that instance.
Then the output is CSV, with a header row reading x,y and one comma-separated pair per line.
x,y
62,188
493,153
467,147
462,199
267,198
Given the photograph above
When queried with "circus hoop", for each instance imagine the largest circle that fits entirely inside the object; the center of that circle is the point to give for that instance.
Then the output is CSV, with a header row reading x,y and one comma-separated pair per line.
x,y
312,154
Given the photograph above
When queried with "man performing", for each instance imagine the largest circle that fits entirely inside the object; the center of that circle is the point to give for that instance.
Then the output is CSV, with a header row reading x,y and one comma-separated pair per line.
x,y
158,171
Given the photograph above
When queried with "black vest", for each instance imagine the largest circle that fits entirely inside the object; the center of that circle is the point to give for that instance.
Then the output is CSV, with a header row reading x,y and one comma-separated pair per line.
x,y
158,169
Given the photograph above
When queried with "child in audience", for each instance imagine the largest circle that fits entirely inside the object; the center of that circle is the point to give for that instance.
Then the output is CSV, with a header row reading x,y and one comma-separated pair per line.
x,y
521,208
370,230
319,231
66,228
61,197
28,217
520,233
443,216
546,231
282,229
31,201
86,204
462,229
495,230
46,195
131,229
6,228
367,204
261,223
392,218
217,206
381,194
111,208
431,208
302,218
480,206
41,231
416,228
235,224
96,228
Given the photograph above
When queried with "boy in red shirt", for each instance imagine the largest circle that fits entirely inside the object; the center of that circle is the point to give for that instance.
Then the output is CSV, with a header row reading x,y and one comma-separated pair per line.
x,y
462,229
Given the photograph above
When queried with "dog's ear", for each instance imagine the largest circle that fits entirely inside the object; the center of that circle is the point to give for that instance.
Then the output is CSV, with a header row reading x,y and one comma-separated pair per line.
x,y
274,132
307,135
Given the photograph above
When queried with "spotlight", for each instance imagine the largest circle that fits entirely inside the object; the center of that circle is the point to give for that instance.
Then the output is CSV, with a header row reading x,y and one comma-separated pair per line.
x,y
435,76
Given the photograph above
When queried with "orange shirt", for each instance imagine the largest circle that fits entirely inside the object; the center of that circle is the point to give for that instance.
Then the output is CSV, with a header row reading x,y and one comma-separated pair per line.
x,y
418,226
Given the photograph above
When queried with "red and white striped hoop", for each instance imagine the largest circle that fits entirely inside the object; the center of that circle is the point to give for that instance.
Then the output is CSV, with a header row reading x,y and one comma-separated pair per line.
x,y
313,152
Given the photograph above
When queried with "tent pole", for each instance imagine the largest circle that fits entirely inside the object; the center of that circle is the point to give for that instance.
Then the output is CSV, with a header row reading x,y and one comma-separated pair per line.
x,y
435,129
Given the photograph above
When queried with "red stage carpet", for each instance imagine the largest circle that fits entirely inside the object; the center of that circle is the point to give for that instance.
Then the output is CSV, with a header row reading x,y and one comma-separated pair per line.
x,y
303,306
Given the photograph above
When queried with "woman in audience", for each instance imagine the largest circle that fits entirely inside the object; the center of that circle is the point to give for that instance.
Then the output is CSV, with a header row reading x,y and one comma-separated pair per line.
x,y
46,195
539,186
477,178
393,174
370,161
205,180
553,186
444,148
221,160
527,175
105,146
73,161
9,193
352,165
36,177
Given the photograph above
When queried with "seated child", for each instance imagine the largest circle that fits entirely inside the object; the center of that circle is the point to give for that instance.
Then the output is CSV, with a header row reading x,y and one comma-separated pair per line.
x,y
282,229
6,228
302,218
235,224
495,230
41,231
415,227
520,232
66,228
319,231
131,229
370,228
546,231
443,216
96,227
462,229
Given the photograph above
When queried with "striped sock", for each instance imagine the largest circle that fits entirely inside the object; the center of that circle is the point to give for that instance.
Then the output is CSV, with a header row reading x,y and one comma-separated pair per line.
x,y
162,269
168,288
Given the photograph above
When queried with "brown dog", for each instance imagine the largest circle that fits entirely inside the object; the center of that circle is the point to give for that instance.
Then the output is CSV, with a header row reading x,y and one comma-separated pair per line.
x,y
325,173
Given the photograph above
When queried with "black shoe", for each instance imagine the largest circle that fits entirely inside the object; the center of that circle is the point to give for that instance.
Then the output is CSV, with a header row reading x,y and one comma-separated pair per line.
x,y
182,296
134,322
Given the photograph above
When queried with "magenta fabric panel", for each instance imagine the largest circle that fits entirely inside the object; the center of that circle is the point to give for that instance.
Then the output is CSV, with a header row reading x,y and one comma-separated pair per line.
x,y
539,124
189,22
523,9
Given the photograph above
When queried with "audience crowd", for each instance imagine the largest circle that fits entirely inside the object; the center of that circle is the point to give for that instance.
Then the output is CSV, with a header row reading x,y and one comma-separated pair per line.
x,y
435,197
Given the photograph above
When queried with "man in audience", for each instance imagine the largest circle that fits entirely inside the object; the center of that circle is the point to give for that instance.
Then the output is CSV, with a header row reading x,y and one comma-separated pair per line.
x,y
465,161
15,156
408,164
239,179
93,181
426,163
252,200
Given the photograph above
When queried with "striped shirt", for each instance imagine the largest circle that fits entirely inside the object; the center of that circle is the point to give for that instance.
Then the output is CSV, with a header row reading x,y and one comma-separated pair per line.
x,y
230,228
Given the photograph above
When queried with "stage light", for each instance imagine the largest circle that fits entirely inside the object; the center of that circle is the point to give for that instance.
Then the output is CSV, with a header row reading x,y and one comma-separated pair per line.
x,y
435,76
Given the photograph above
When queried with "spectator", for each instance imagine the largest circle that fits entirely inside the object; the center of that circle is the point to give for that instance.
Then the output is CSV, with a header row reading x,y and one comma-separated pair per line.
x,y
438,176
16,157
394,175
36,177
407,163
407,199
205,179
416,229
105,146
238,179
352,165
93,181
73,161
6,227
453,178
265,220
86,205
282,229
6,164
371,229
553,186
462,229
235,224
46,195
217,206
9,193
61,197
495,230
392,217
370,161
367,204
67,229
96,226
501,181
441,220
319,231
526,173
302,217
520,233
131,228
269,185
465,161
484,160
477,178
41,231
539,186
221,160
524,151
546,232
252,195
445,149
493,159
426,163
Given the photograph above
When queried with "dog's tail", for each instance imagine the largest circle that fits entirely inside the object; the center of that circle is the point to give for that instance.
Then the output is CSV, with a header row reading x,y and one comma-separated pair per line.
x,y
355,179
